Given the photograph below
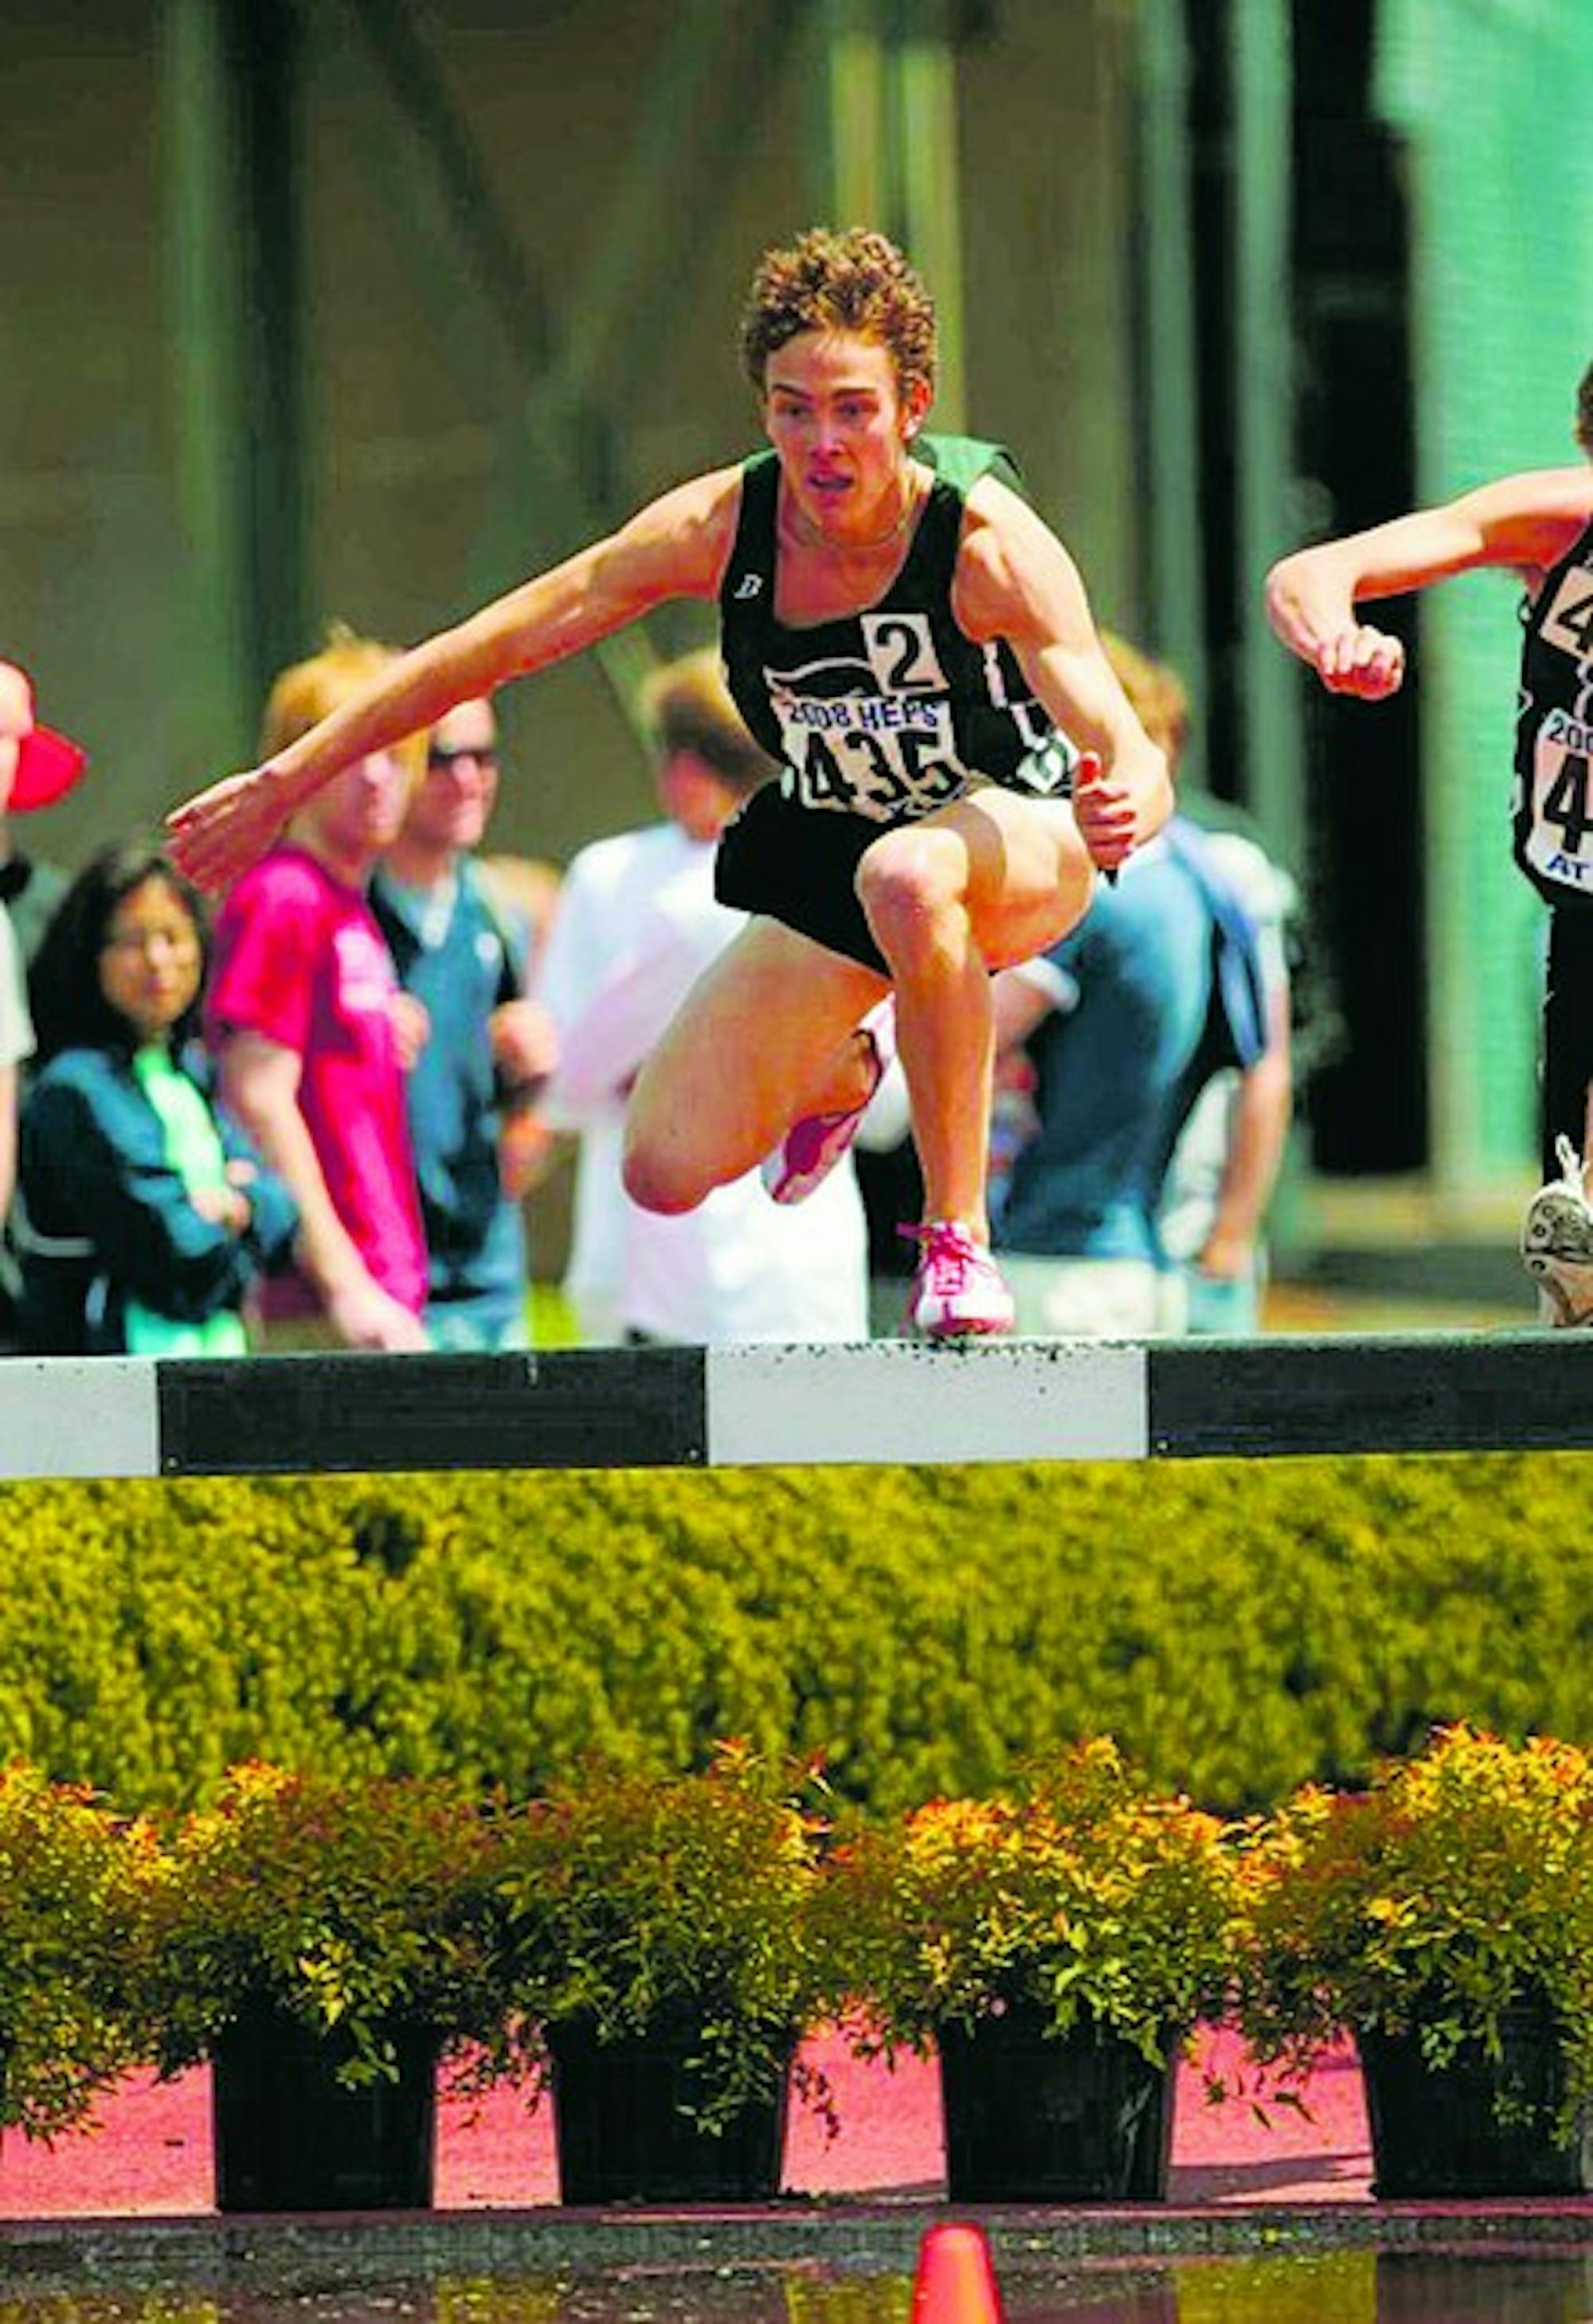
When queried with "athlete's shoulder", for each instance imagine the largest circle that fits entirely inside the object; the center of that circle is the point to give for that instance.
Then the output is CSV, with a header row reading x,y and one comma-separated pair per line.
x,y
681,539
1567,490
1535,517
1007,556
965,460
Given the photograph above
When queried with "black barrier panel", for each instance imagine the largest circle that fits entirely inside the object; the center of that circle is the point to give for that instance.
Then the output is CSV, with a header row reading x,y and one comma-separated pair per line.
x,y
566,1408
1530,1392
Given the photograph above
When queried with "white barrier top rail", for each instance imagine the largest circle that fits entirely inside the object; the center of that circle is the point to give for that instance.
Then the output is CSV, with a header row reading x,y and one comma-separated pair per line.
x,y
885,1401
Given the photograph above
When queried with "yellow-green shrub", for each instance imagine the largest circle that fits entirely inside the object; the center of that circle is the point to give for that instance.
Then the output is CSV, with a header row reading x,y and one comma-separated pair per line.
x,y
1240,1627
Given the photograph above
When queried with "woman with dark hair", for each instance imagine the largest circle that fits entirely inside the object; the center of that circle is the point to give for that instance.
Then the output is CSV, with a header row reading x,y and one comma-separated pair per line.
x,y
141,1217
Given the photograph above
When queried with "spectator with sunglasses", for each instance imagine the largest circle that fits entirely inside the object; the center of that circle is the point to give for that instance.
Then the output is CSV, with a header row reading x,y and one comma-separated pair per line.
x,y
462,956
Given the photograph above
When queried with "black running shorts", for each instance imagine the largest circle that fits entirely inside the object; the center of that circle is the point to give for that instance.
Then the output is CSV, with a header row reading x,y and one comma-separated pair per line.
x,y
798,865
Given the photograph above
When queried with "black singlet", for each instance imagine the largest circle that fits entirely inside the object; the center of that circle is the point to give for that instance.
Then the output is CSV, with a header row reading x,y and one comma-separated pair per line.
x,y
887,714
1552,813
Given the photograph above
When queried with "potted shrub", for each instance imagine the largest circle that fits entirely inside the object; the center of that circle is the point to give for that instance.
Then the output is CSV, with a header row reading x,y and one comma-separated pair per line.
x,y
71,1874
1443,1917
322,1942
659,1930
1058,1946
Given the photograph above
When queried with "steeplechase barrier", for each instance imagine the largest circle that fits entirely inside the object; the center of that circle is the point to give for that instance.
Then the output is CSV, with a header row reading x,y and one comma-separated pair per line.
x,y
885,1401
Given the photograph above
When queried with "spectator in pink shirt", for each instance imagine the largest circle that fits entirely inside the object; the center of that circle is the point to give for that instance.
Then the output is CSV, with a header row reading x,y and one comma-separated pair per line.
x,y
302,1018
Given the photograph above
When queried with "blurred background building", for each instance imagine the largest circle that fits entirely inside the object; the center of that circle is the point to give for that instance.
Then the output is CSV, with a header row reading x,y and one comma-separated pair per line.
x,y
363,309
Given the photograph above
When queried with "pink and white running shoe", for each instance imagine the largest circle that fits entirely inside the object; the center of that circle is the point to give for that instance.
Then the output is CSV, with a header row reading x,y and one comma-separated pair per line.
x,y
811,1147
958,1289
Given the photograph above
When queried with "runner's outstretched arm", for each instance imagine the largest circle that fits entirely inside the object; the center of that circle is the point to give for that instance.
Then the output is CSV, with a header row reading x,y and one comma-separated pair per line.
x,y
675,547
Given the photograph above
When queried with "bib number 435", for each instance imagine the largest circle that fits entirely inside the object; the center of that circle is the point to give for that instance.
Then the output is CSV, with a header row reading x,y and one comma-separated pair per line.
x,y
879,775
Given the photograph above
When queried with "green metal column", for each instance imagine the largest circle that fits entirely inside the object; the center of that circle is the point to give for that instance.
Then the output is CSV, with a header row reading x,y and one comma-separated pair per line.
x,y
887,151
1169,369
267,65
1491,101
1261,75
214,712
852,161
230,81
924,126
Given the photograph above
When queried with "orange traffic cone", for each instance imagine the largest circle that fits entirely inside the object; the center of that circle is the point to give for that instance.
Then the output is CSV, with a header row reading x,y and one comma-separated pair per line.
x,y
956,2282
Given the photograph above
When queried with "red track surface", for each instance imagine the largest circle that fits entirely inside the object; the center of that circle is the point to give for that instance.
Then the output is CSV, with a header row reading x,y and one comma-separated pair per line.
x,y
151,2155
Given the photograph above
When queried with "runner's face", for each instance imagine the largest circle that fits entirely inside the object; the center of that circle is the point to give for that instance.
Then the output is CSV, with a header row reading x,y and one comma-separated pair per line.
x,y
841,426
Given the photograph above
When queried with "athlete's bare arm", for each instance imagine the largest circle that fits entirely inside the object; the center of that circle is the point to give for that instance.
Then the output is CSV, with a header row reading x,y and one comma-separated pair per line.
x,y
1015,580
1524,522
675,547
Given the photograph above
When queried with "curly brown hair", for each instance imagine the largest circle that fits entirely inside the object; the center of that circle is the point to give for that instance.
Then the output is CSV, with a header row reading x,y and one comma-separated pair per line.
x,y
851,281
1584,431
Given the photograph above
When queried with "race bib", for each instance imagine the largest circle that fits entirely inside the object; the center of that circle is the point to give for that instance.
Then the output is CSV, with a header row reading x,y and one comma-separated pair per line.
x,y
853,748
1562,803
901,651
1569,622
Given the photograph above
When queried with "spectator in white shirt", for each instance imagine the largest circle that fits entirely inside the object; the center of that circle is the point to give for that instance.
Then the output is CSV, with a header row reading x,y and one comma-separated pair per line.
x,y
637,924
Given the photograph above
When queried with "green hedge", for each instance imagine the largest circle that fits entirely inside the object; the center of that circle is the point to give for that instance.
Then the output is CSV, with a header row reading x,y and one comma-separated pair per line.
x,y
1239,1627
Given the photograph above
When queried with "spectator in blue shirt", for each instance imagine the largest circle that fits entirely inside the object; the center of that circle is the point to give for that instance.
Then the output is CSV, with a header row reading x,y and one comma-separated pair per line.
x,y
1162,998
1110,1020
482,1047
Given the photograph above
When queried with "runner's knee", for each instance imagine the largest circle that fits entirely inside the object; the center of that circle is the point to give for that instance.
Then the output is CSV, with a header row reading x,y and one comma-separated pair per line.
x,y
656,1179
907,883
